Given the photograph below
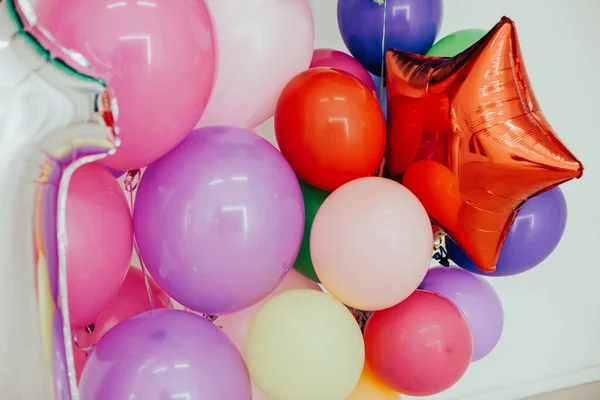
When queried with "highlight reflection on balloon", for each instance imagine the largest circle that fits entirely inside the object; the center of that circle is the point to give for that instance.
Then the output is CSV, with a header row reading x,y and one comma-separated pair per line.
x,y
494,148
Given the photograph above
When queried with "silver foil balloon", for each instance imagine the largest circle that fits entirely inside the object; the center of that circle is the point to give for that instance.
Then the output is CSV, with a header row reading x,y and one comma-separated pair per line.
x,y
53,119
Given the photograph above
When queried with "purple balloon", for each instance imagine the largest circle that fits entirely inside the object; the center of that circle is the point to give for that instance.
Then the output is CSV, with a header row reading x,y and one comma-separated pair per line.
x,y
219,220
533,236
476,298
410,25
165,354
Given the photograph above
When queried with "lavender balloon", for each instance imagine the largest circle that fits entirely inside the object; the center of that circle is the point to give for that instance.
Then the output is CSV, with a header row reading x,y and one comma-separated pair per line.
x,y
476,298
219,220
165,354
533,236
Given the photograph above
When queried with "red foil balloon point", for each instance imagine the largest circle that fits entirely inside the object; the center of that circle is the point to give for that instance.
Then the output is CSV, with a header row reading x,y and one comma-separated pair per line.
x,y
467,136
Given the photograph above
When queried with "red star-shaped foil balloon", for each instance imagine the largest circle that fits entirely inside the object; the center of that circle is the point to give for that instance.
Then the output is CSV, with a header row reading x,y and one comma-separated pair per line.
x,y
467,136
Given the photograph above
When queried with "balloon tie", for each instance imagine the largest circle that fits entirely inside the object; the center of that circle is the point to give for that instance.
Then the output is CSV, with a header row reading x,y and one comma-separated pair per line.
x,y
211,318
131,181
441,256
86,350
361,317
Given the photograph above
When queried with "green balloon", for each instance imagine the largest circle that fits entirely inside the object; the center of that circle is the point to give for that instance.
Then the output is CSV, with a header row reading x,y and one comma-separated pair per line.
x,y
313,198
455,43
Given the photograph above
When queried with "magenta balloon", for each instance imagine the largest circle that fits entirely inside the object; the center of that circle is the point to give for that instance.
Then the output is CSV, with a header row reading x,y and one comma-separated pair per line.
x,y
219,220
476,298
165,354
344,62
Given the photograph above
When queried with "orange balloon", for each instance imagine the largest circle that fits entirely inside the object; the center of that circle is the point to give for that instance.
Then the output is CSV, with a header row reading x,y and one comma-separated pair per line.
x,y
467,136
330,128
426,175
371,388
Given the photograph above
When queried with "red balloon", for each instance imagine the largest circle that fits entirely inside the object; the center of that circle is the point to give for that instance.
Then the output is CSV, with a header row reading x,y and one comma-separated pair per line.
x,y
131,299
421,346
330,128
467,136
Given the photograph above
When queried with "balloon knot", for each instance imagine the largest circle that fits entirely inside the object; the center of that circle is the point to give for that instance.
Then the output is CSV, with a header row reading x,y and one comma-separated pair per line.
x,y
132,180
86,350
441,256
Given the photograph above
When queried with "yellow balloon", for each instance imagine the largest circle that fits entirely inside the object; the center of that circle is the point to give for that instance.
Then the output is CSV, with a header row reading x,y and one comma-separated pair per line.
x,y
304,345
371,388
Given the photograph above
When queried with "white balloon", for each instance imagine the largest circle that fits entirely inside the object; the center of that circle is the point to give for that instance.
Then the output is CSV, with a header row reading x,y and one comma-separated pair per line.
x,y
261,45
50,124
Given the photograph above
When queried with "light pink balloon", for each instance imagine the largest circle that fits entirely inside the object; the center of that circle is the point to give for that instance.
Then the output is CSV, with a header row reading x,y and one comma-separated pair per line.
x,y
236,325
261,45
131,299
343,62
99,242
157,56
371,243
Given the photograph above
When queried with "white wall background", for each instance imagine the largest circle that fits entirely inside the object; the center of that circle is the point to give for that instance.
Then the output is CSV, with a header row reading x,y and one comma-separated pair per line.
x,y
552,329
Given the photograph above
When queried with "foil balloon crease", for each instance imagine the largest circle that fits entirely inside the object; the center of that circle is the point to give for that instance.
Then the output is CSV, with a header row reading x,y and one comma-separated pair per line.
x,y
467,136
53,119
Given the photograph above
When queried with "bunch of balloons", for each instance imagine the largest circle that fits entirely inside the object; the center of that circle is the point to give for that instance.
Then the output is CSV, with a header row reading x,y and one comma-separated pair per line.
x,y
378,152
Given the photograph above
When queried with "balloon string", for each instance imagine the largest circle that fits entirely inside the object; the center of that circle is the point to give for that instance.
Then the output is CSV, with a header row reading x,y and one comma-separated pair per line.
x,y
439,240
361,317
440,253
382,74
131,181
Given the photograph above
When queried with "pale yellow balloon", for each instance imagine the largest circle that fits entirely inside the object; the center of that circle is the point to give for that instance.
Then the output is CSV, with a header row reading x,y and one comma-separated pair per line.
x,y
304,345
371,388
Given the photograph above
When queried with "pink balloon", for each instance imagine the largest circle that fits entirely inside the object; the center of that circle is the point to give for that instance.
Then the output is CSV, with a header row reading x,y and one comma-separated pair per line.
x,y
343,62
131,299
262,44
371,243
421,346
158,56
236,325
99,242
